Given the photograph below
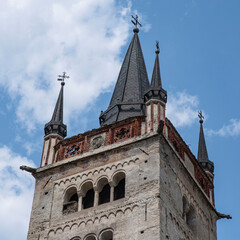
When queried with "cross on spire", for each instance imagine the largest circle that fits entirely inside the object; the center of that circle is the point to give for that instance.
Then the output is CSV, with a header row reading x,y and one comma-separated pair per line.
x,y
62,78
157,45
135,21
201,117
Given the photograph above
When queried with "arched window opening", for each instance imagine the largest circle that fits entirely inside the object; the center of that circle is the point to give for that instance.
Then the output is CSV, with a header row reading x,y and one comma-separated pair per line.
x,y
119,183
90,237
88,200
104,195
104,191
87,195
191,218
70,203
106,235
185,207
76,238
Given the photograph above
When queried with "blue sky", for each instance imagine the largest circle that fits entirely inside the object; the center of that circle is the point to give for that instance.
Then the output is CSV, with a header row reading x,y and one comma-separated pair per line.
x,y
199,42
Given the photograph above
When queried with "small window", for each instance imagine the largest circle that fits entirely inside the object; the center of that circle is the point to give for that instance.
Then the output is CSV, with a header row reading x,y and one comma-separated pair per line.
x,y
119,185
88,200
104,195
106,235
185,207
90,237
70,204
119,190
103,191
88,195
191,218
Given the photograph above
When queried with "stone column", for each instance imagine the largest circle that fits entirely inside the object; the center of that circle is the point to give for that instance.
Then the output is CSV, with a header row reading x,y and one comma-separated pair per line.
x,y
96,195
79,201
111,191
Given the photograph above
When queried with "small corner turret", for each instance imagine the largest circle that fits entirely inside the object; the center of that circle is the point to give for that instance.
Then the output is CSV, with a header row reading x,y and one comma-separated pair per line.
x,y
55,130
202,157
155,97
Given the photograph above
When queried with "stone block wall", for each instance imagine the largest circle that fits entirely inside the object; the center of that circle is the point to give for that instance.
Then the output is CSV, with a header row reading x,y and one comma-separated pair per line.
x,y
136,216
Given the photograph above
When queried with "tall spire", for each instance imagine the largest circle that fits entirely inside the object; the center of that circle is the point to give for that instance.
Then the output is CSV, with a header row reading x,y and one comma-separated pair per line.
x,y
56,124
202,149
128,96
156,76
156,91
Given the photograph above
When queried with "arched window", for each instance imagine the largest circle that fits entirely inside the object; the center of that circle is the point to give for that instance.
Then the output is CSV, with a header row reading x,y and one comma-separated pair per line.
x,y
119,185
104,191
191,218
189,214
76,238
185,207
106,235
87,195
70,203
90,237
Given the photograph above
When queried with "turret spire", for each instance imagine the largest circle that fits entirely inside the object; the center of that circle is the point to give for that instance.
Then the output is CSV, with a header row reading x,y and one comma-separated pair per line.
x,y
128,96
156,76
202,149
156,91
56,124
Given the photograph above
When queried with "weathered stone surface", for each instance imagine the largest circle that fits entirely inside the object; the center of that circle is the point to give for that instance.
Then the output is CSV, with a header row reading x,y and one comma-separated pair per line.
x,y
156,181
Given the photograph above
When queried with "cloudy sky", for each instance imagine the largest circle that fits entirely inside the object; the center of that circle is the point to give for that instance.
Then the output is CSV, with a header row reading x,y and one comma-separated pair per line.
x,y
199,42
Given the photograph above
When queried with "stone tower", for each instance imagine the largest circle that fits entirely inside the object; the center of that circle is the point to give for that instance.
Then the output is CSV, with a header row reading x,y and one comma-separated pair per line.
x,y
133,178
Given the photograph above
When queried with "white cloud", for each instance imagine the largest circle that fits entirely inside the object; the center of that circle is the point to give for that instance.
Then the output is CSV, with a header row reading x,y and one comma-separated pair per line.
x,y
182,109
16,195
232,129
41,39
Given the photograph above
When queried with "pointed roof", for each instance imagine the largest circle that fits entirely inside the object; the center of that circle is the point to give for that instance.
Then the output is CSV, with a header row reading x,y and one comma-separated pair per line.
x,y
56,124
202,149
58,110
155,90
128,96
156,76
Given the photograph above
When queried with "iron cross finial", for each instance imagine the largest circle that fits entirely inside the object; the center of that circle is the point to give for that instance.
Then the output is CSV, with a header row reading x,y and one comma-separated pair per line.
x,y
201,117
157,46
135,21
62,78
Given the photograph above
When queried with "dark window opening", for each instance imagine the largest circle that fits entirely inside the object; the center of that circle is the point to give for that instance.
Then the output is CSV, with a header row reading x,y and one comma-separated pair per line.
x,y
74,197
119,190
104,195
88,200
108,235
71,205
191,218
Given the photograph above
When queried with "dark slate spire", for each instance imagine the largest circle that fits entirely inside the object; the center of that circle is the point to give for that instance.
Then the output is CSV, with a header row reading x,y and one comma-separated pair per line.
x,y
56,124
156,91
128,96
202,149
156,76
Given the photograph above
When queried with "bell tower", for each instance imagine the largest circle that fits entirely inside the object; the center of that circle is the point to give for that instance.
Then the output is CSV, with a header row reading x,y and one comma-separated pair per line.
x,y
132,178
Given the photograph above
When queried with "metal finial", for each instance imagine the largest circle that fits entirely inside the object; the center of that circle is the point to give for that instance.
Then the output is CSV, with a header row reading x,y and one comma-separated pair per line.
x,y
135,21
62,78
201,117
157,46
